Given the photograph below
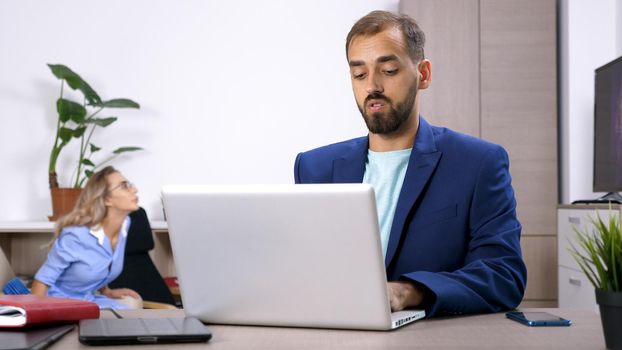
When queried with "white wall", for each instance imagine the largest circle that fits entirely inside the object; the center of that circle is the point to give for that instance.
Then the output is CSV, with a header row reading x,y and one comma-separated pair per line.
x,y
590,36
230,91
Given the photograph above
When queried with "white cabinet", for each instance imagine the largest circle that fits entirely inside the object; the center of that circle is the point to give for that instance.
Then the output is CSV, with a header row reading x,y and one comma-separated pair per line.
x,y
575,290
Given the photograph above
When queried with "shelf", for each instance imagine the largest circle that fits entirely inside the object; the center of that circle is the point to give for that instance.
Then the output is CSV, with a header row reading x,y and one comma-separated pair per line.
x,y
157,226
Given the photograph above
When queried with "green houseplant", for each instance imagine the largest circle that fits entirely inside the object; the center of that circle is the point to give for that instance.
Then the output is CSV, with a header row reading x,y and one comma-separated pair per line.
x,y
599,254
79,121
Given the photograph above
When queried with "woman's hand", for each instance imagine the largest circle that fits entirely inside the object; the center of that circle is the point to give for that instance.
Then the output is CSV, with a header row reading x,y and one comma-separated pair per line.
x,y
39,288
118,293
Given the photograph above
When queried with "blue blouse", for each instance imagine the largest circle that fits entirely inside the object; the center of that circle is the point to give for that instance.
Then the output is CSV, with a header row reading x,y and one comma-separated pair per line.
x,y
81,262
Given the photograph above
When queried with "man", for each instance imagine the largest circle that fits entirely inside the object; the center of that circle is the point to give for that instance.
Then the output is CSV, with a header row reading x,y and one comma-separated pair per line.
x,y
445,202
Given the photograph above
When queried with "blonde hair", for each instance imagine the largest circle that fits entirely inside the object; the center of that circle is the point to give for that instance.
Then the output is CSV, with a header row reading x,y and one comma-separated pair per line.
x,y
90,209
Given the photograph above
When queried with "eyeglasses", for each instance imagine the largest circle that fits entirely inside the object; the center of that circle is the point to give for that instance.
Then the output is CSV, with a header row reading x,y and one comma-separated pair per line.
x,y
125,186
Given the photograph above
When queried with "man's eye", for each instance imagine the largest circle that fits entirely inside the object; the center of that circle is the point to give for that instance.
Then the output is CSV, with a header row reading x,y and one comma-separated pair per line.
x,y
358,75
391,71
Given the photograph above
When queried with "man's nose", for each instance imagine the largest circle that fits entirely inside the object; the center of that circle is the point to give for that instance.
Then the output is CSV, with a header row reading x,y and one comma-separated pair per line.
x,y
374,84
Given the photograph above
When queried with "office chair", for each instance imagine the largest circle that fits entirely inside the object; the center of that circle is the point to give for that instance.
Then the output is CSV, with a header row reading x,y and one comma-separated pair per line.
x,y
139,273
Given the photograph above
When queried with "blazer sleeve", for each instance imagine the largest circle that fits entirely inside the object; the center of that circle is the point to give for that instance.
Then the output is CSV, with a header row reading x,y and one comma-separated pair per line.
x,y
493,276
297,168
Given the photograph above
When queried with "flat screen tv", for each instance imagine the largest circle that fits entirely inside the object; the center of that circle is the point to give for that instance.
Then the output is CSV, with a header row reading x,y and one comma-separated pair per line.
x,y
608,130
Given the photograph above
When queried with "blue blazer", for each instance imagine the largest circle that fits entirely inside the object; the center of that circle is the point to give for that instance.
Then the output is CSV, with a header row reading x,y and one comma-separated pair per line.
x,y
455,229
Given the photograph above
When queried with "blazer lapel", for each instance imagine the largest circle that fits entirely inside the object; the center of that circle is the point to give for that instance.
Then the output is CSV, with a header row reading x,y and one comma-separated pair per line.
x,y
351,167
421,165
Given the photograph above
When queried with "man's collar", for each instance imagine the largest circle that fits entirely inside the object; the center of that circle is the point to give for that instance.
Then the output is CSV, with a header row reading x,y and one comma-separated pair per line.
x,y
424,140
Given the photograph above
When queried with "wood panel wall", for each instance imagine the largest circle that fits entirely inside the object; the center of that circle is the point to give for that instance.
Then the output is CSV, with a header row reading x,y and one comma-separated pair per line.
x,y
494,76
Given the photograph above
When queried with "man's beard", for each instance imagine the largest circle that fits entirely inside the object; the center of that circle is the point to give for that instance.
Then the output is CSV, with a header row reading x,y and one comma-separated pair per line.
x,y
388,122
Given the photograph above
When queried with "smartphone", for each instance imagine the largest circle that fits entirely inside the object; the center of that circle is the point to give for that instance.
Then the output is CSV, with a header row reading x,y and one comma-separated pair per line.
x,y
538,319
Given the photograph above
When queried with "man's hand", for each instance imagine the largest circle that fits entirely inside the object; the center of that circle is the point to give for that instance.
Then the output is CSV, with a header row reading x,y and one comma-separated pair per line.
x,y
403,295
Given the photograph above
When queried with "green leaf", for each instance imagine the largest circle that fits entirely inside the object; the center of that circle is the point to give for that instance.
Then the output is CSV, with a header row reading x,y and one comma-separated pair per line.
x,y
88,173
121,103
76,82
587,270
94,148
103,122
87,162
70,110
77,133
600,257
65,134
126,149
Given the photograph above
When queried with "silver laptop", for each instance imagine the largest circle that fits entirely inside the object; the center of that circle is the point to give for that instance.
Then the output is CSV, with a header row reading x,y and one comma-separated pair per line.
x,y
281,255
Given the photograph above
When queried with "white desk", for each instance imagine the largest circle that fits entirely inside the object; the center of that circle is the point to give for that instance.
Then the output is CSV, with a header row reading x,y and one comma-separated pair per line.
x,y
491,331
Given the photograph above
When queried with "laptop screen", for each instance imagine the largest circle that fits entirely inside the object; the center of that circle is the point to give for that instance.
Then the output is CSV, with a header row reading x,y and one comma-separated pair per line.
x,y
283,255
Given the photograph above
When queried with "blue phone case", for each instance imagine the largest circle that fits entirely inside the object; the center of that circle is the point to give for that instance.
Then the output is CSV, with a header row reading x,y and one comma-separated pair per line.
x,y
538,319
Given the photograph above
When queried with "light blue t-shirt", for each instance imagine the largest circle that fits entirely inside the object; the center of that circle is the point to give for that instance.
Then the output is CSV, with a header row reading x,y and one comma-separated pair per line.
x,y
385,172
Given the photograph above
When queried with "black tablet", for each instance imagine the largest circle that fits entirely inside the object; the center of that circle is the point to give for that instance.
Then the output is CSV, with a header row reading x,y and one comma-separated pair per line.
x,y
32,338
143,331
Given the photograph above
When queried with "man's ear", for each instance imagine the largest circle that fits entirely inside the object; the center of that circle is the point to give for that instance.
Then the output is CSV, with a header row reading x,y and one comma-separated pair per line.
x,y
425,73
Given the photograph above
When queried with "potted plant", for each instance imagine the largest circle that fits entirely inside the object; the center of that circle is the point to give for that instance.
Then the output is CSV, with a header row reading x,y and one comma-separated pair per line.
x,y
600,257
78,121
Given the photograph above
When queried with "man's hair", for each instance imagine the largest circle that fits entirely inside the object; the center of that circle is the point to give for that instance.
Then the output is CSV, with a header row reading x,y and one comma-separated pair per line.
x,y
377,21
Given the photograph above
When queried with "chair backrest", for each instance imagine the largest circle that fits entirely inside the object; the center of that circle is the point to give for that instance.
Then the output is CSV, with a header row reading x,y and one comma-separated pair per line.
x,y
139,272
6,272
140,235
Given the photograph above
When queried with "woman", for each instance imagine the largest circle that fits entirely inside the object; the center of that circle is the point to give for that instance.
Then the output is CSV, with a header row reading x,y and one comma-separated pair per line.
x,y
89,244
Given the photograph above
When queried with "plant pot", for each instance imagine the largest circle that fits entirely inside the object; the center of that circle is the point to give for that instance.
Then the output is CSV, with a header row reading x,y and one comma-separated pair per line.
x,y
63,201
610,304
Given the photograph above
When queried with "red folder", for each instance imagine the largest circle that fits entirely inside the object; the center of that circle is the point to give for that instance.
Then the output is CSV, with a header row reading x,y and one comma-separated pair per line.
x,y
26,310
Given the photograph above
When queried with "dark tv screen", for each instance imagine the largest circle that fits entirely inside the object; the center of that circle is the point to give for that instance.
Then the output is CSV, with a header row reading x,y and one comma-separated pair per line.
x,y
608,128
